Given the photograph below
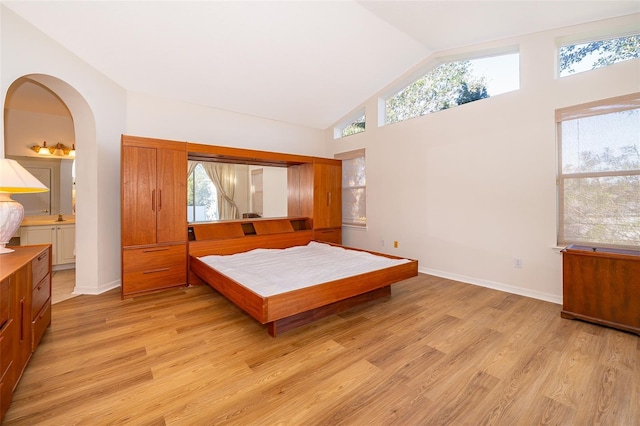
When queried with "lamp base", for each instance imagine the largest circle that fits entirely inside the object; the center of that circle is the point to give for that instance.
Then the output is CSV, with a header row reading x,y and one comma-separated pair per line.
x,y
11,214
5,250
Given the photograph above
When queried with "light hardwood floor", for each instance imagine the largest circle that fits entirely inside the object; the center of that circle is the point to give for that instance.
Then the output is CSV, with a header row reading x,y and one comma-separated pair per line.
x,y
62,284
436,352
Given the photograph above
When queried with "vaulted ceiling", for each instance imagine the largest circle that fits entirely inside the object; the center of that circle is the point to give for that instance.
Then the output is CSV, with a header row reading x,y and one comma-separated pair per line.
x,y
302,62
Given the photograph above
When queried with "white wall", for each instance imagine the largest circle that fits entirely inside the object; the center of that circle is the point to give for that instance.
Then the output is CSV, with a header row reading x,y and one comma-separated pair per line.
x,y
161,118
274,181
24,129
467,190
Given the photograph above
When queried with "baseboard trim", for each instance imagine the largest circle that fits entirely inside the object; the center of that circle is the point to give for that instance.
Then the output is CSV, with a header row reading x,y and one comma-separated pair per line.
x,y
547,297
93,290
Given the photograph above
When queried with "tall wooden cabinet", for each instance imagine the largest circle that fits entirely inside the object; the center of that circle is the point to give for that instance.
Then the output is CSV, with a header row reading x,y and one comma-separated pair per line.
x,y
154,214
315,191
25,312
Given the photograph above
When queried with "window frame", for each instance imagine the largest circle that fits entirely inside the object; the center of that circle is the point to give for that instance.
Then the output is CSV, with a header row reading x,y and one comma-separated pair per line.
x,y
600,107
350,155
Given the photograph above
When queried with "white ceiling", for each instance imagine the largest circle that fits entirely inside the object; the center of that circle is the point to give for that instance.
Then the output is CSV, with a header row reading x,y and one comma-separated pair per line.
x,y
302,62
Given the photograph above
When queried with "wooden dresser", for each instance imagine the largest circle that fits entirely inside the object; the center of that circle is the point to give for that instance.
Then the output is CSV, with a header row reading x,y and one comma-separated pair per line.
x,y
25,312
602,286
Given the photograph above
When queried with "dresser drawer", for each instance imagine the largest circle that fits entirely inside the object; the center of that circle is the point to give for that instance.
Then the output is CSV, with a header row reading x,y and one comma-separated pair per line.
x,y
39,325
4,302
6,393
153,268
6,336
40,266
40,295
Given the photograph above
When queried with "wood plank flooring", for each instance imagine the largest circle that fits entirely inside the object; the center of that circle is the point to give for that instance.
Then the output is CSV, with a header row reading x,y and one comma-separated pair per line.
x,y
435,352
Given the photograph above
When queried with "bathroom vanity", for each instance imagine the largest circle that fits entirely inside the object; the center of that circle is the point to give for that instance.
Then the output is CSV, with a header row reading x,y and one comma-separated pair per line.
x,y
61,234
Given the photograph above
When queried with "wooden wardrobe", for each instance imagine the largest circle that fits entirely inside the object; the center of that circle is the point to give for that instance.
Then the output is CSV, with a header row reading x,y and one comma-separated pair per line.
x,y
154,214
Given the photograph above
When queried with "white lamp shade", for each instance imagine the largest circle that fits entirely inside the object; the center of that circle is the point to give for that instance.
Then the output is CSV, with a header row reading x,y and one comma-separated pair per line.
x,y
14,179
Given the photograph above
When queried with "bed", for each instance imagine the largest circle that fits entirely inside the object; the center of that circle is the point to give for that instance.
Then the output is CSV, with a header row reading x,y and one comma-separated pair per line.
x,y
282,310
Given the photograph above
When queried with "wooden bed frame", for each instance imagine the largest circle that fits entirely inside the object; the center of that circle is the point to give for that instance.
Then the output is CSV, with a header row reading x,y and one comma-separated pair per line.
x,y
288,310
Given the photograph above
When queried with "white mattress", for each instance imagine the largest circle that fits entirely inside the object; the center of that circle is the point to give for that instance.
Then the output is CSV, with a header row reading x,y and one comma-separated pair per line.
x,y
273,271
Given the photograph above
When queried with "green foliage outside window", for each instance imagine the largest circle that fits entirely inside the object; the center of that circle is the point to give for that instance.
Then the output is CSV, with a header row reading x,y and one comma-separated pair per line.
x,y
202,197
443,87
355,127
597,54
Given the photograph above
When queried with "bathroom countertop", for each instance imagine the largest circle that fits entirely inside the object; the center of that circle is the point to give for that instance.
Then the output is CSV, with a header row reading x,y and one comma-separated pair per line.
x,y
48,220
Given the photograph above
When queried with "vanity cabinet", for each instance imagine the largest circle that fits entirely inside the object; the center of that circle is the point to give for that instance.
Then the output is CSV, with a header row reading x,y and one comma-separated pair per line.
x,y
154,214
61,237
25,312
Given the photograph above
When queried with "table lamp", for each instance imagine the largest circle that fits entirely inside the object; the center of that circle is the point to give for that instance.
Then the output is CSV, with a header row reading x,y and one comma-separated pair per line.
x,y
14,179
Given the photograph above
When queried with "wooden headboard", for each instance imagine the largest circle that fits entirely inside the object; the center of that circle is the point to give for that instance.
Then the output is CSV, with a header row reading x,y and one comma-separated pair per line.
x,y
235,236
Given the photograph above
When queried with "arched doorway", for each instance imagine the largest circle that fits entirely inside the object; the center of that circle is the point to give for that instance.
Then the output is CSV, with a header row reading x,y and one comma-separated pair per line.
x,y
83,136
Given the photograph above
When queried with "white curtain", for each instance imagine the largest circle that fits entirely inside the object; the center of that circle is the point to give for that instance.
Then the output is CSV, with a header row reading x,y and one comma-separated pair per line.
x,y
191,165
223,177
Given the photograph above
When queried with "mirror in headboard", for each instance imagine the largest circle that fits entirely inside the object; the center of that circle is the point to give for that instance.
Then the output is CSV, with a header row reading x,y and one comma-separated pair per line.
x,y
256,191
256,182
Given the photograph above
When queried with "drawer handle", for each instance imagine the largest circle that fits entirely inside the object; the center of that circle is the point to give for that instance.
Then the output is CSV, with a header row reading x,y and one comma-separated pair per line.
x,y
22,319
43,255
152,250
156,271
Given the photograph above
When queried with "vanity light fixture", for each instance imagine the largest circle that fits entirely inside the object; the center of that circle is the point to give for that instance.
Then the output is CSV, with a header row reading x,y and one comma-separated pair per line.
x,y
42,150
14,179
59,149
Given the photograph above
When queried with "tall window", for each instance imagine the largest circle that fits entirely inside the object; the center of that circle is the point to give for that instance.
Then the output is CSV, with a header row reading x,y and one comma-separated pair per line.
x,y
599,173
455,83
576,58
202,196
354,188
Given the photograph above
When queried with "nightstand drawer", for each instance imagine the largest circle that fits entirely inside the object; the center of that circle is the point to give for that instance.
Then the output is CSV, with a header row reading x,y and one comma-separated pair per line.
x,y
40,266
40,295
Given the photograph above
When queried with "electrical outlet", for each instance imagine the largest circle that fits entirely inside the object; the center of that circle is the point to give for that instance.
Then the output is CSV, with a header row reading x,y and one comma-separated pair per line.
x,y
517,263
381,243
395,244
